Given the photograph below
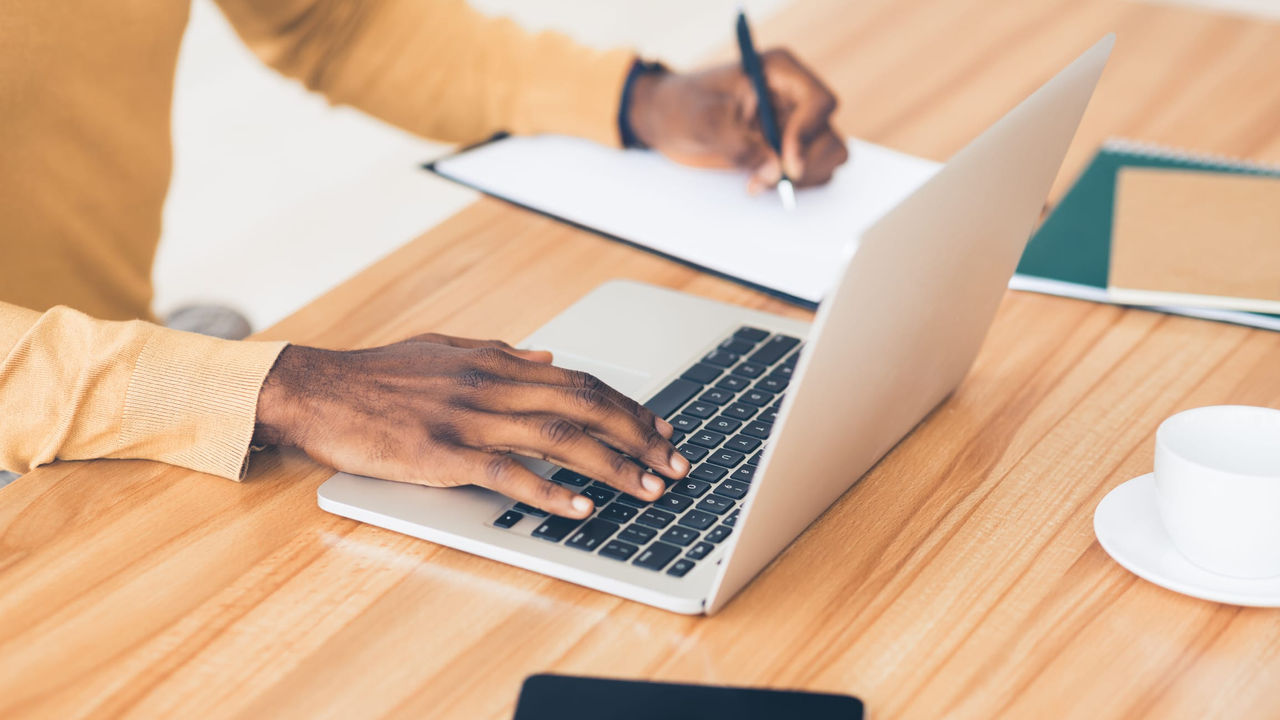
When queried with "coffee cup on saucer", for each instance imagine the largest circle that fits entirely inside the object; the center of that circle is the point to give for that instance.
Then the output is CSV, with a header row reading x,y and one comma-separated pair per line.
x,y
1217,480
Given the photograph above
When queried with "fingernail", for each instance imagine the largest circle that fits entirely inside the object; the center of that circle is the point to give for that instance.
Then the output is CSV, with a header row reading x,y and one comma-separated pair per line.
x,y
652,484
582,505
679,463
664,427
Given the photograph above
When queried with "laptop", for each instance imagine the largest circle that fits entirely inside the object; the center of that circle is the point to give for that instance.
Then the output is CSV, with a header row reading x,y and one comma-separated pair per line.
x,y
778,417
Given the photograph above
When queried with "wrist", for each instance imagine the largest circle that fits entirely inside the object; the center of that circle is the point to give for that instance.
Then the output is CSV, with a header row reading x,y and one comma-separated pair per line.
x,y
637,116
276,419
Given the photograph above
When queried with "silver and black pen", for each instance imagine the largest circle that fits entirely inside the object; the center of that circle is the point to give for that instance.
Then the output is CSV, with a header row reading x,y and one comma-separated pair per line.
x,y
754,69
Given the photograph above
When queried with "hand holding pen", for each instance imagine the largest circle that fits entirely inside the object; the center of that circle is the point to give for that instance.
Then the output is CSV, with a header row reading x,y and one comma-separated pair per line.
x,y
712,118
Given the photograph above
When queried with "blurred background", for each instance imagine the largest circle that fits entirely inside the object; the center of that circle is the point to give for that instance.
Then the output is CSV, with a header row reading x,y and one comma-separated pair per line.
x,y
277,196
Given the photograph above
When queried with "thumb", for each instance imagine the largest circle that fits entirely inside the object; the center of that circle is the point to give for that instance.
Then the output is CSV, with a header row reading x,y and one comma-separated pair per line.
x,y
765,176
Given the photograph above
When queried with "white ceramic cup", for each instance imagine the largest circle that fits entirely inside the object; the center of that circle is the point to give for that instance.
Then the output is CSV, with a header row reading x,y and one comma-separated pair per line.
x,y
1218,482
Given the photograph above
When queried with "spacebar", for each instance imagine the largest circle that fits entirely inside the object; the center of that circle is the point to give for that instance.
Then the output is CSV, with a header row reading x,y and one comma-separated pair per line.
x,y
672,397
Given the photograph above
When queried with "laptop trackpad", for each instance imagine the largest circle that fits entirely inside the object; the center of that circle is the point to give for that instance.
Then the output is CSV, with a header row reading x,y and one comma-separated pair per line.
x,y
628,381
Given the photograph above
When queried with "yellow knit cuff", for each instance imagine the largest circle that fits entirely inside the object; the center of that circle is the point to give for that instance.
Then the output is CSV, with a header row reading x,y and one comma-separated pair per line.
x,y
192,401
571,90
601,92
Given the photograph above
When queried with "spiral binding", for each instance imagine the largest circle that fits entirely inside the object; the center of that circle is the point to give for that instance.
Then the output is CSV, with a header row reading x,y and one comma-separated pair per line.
x,y
1141,148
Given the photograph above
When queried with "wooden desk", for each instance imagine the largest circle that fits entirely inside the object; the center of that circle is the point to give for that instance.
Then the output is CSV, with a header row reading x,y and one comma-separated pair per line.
x,y
960,578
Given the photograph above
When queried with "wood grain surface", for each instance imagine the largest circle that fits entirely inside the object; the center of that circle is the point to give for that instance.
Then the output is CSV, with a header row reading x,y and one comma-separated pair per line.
x,y
960,578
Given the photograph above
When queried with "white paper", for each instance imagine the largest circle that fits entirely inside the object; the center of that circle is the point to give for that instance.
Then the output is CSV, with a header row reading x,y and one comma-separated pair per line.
x,y
1046,286
704,217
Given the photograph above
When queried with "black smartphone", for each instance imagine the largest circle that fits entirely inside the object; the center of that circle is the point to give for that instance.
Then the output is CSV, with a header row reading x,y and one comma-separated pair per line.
x,y
566,697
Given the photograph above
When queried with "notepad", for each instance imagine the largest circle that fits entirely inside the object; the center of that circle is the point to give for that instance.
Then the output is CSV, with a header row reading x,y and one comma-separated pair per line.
x,y
1070,253
1195,238
701,217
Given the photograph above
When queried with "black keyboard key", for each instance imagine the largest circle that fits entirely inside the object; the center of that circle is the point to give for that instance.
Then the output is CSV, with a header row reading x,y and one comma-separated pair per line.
x,y
732,520
749,370
600,494
744,474
726,458
691,488
692,453
783,372
707,472
699,551
673,502
774,350
697,520
740,411
733,382
755,459
702,373
770,416
569,477
507,519
715,504
684,423
723,358
736,346
759,398
758,429
655,518
680,568
706,438
670,398
618,512
716,396
681,536
731,490
750,334
555,528
719,533
676,438
637,534
771,384
592,535
792,359
700,409
531,510
743,443
656,556
724,425
618,550
631,500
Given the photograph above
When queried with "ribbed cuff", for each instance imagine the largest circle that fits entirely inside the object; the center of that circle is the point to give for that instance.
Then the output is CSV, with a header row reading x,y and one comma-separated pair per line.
x,y
192,400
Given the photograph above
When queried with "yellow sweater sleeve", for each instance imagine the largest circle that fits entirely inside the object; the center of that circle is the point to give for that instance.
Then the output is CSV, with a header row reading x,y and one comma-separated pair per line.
x,y
437,67
75,388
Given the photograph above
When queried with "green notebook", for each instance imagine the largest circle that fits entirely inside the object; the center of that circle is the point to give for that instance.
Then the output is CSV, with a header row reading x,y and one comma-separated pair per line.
x,y
1071,252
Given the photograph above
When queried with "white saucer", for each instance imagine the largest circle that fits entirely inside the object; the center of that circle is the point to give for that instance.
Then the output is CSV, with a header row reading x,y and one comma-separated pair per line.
x,y
1127,523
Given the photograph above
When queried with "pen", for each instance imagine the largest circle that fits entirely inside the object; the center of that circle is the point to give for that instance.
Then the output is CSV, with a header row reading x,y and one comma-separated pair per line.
x,y
754,69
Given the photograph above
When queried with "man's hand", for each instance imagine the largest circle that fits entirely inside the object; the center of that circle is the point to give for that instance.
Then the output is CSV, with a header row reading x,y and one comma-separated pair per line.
x,y
442,411
709,119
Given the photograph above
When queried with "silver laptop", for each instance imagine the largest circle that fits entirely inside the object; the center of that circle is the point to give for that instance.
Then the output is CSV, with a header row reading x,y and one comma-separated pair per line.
x,y
779,417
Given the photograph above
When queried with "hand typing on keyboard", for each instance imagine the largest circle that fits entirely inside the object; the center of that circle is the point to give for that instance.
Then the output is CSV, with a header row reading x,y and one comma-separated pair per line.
x,y
736,388
443,411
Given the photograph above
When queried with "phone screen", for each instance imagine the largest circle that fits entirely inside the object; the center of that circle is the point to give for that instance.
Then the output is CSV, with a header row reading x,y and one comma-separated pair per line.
x,y
564,697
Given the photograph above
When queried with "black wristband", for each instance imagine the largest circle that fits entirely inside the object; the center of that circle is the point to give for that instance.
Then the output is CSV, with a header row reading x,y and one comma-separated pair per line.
x,y
638,69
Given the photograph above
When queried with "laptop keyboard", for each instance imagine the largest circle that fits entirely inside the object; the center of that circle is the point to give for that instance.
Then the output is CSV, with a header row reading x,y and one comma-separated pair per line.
x,y
723,409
